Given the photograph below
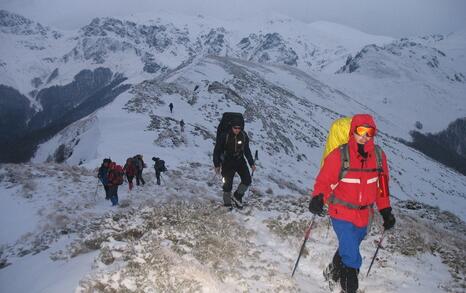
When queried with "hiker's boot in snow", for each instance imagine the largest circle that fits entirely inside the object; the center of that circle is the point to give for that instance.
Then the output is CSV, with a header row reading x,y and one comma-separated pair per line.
x,y
332,271
238,195
349,279
227,199
238,199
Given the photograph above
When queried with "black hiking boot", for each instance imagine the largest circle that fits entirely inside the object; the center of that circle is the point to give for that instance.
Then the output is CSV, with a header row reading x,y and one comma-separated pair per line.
x,y
227,199
349,279
237,198
332,271
329,275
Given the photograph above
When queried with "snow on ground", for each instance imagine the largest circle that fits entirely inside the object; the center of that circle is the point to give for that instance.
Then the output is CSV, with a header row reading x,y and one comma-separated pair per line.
x,y
177,237
59,234
287,111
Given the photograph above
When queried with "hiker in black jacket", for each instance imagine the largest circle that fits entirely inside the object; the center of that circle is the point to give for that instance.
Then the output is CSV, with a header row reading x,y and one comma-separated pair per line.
x,y
140,165
234,147
171,107
182,125
159,167
103,174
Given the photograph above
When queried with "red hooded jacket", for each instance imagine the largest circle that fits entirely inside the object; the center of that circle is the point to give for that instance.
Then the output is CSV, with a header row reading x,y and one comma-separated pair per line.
x,y
358,188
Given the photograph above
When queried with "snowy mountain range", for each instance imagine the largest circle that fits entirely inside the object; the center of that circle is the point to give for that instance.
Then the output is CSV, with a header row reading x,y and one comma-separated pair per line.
x,y
76,97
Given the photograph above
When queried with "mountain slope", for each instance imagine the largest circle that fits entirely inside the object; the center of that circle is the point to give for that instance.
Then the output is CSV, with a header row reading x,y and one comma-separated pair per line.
x,y
177,237
288,125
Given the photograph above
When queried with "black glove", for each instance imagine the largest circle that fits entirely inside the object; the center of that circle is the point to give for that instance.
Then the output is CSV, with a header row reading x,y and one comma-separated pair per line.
x,y
388,218
316,206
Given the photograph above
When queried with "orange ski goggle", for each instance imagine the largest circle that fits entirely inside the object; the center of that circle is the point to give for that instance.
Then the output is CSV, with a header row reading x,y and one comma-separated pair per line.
x,y
364,130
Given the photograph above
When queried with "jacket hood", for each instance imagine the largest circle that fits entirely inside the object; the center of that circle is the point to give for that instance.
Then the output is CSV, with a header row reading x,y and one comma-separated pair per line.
x,y
358,120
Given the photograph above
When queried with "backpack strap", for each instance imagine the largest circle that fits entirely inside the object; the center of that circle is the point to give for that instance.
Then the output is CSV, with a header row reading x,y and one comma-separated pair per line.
x,y
344,154
243,137
344,151
335,200
226,138
378,157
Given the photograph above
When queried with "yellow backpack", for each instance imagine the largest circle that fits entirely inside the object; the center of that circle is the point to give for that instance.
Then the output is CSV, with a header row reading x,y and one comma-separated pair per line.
x,y
337,135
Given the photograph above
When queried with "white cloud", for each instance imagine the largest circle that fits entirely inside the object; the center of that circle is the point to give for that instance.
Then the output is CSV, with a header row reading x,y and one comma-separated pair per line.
x,y
386,17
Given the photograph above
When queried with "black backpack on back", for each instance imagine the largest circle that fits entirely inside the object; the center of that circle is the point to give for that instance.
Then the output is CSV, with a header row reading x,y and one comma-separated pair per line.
x,y
160,165
226,123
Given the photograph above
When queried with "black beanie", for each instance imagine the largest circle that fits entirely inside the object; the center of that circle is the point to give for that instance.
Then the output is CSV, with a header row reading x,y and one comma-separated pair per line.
x,y
236,121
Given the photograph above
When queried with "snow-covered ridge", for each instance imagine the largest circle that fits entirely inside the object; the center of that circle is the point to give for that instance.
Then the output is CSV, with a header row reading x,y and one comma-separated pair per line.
x,y
19,25
287,114
419,61
166,43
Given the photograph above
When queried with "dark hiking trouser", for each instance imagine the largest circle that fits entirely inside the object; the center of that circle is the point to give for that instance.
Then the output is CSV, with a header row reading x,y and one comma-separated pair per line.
x,y
157,175
107,194
229,168
130,181
113,192
139,178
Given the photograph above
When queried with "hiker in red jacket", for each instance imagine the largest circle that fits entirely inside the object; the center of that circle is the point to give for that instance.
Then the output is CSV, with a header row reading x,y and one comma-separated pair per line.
x,y
130,171
115,178
348,183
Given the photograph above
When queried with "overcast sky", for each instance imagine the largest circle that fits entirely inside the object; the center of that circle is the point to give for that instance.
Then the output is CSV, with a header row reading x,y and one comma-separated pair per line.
x,y
394,18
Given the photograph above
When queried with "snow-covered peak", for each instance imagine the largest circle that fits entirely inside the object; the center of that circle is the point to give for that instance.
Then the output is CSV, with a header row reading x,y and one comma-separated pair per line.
x,y
404,59
13,23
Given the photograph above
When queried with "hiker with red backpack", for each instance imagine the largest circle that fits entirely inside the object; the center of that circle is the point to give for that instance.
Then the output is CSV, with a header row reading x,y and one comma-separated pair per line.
x,y
130,171
349,182
115,179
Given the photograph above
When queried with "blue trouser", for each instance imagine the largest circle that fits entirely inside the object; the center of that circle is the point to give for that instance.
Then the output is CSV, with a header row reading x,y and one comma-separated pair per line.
x,y
113,193
349,239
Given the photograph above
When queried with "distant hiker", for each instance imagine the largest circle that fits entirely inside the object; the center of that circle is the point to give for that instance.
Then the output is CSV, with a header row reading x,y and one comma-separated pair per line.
x,y
140,165
130,171
232,145
182,125
115,179
103,175
171,107
348,182
159,166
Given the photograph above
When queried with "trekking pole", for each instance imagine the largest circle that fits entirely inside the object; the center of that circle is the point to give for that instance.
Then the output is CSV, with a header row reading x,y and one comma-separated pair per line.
x,y
376,251
212,180
307,234
256,157
96,188
328,227
161,177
